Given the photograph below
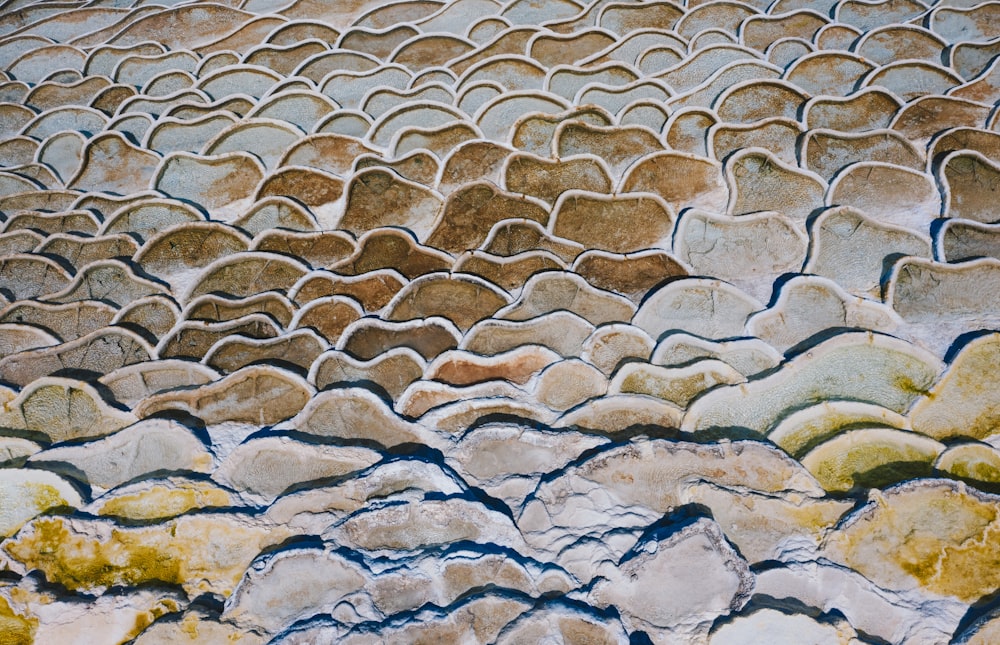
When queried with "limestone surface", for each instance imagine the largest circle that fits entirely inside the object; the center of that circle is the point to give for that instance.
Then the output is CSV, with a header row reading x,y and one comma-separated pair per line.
x,y
499,321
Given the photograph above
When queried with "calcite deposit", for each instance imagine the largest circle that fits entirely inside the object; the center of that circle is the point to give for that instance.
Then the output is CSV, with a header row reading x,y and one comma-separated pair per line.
x,y
499,321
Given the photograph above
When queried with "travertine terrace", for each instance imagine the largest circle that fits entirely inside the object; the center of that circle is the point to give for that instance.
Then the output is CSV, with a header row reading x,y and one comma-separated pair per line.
x,y
499,321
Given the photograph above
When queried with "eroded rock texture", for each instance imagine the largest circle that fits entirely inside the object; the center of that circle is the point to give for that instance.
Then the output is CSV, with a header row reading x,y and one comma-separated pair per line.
x,y
499,321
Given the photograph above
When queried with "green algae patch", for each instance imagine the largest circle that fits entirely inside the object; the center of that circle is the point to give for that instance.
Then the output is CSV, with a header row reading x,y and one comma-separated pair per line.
x,y
871,458
801,431
977,463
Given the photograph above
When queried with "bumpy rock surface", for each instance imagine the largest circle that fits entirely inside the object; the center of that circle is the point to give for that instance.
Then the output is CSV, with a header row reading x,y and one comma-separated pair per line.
x,y
499,321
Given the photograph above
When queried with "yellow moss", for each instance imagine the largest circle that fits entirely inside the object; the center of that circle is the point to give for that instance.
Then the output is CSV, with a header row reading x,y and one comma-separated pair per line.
x,y
162,502
25,597
905,384
812,516
841,472
947,540
189,625
15,629
985,425
817,518
977,470
146,618
642,383
974,462
44,496
32,498
201,553
79,562
969,570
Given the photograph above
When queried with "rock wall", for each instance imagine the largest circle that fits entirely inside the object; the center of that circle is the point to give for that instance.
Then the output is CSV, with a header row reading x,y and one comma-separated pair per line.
x,y
513,321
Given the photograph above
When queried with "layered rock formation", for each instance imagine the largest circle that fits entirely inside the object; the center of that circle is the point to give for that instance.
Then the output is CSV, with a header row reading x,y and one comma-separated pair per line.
x,y
508,321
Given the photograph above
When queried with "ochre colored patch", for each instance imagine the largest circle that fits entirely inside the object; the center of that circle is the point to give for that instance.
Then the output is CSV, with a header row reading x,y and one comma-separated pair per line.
x,y
162,502
15,629
78,562
147,618
202,553
943,537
